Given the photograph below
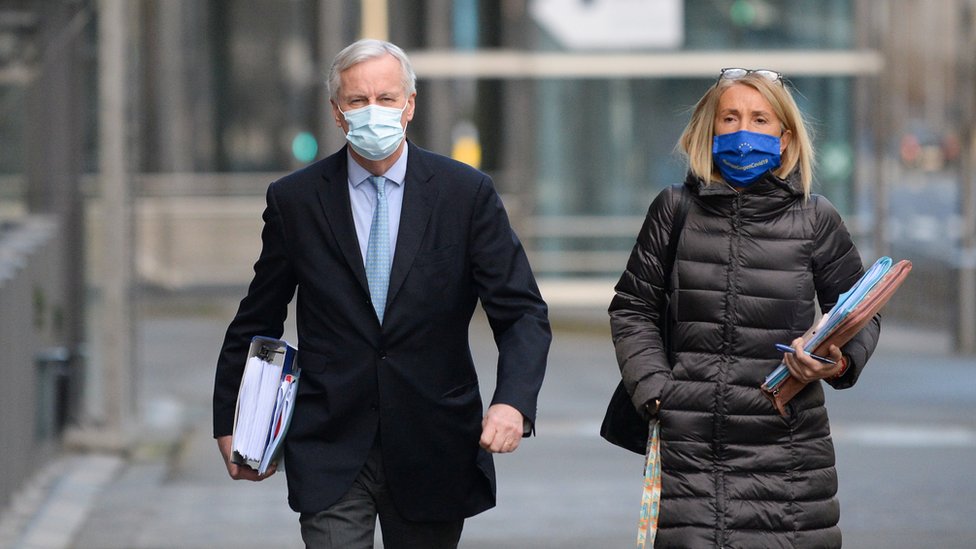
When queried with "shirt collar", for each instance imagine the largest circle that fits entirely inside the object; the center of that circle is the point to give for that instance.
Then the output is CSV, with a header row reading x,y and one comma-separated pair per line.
x,y
397,172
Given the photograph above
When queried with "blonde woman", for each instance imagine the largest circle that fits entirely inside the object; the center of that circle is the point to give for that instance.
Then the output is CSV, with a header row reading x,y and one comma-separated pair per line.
x,y
756,254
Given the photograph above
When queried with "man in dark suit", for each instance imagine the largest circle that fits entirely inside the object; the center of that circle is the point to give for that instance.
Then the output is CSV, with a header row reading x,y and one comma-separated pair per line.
x,y
389,247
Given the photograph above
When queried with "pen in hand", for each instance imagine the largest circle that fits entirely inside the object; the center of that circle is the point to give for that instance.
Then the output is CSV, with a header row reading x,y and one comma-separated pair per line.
x,y
788,349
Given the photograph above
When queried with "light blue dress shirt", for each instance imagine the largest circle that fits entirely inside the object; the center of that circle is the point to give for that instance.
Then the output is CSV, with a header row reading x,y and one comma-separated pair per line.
x,y
362,197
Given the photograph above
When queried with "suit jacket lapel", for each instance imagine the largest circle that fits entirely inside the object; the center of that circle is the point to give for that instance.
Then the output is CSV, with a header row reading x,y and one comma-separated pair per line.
x,y
419,195
334,198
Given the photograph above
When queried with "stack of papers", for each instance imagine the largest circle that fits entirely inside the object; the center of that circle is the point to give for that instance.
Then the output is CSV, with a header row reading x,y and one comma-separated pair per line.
x,y
847,316
847,302
265,402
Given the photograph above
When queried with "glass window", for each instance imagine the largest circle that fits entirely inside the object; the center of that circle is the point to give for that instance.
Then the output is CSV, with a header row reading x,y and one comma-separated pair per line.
x,y
606,147
268,89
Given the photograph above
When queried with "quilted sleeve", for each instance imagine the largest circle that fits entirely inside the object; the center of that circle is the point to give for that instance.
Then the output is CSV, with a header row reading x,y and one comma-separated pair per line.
x,y
639,302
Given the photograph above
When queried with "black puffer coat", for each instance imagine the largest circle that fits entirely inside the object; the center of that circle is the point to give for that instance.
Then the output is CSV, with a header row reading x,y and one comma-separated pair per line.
x,y
748,269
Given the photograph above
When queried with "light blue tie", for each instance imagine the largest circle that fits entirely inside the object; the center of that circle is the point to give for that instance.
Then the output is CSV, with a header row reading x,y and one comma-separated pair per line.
x,y
378,255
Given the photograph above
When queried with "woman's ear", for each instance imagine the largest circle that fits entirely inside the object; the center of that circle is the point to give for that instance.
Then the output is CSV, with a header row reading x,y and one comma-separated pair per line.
x,y
784,140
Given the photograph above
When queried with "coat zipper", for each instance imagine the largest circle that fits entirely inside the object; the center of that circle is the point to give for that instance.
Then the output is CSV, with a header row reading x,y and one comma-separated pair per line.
x,y
734,246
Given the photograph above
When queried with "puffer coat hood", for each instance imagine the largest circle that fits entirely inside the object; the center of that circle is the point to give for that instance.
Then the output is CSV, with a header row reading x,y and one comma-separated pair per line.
x,y
750,267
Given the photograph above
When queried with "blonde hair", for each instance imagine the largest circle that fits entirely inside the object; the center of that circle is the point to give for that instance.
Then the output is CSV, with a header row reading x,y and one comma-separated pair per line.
x,y
696,139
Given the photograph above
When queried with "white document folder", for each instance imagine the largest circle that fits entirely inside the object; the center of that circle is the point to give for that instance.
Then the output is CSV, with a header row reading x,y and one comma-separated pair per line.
x,y
265,402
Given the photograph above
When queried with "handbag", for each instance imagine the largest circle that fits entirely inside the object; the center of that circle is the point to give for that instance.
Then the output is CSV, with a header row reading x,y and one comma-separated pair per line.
x,y
623,425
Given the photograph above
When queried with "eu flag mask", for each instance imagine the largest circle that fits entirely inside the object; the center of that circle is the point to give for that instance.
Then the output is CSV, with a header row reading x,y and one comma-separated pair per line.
x,y
743,156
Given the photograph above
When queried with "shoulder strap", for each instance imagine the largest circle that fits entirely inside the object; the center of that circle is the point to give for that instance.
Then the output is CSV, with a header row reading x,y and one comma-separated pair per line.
x,y
677,224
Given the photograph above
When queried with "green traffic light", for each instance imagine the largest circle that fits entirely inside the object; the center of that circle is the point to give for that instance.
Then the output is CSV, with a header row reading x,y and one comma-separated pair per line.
x,y
742,13
304,147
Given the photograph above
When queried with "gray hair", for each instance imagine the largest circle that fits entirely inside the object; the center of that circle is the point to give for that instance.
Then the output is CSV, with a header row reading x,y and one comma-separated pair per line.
x,y
366,49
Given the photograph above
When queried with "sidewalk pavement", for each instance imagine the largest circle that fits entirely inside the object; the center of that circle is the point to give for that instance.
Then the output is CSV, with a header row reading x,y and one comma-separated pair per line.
x,y
566,488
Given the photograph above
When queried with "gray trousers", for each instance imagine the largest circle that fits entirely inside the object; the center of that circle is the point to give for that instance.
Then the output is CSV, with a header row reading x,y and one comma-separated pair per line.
x,y
351,521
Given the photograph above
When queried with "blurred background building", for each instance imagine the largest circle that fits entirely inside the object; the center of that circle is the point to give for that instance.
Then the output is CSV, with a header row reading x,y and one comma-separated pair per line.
x,y
137,138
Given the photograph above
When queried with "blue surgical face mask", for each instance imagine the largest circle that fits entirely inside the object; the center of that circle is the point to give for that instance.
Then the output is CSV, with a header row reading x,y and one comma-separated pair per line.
x,y
743,156
374,131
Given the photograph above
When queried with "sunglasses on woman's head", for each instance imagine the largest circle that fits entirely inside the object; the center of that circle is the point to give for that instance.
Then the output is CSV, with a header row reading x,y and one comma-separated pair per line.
x,y
735,73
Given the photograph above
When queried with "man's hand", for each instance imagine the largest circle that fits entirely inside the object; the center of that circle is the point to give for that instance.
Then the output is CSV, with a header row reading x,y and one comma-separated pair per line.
x,y
240,472
806,369
501,429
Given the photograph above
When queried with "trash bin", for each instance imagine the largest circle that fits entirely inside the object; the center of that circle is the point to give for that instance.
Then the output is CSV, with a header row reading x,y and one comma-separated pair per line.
x,y
52,391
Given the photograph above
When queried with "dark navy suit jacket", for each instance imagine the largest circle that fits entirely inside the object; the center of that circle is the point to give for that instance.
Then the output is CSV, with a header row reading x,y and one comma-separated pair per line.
x,y
412,380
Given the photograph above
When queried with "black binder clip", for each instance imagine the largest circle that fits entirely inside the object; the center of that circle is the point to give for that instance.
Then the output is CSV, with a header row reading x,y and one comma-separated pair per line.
x,y
267,353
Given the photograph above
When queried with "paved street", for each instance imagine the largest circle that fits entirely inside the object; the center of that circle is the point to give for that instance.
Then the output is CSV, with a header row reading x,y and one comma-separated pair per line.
x,y
905,437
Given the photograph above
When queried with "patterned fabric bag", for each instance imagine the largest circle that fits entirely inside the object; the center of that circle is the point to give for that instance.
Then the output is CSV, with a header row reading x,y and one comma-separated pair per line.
x,y
651,498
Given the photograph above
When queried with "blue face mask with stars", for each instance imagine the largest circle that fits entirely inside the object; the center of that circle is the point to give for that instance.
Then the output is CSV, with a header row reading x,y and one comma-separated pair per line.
x,y
743,156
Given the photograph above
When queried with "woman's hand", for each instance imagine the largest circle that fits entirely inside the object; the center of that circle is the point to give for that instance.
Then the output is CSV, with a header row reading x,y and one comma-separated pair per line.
x,y
806,368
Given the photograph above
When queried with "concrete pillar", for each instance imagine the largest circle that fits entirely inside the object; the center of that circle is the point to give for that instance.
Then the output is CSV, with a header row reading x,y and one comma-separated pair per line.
x,y
439,107
333,35
112,334
966,325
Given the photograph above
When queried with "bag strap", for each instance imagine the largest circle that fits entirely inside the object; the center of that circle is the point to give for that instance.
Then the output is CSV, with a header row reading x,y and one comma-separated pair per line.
x,y
651,494
677,225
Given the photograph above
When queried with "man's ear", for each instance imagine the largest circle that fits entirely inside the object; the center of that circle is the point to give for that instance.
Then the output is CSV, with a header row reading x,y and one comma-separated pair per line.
x,y
411,104
337,114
